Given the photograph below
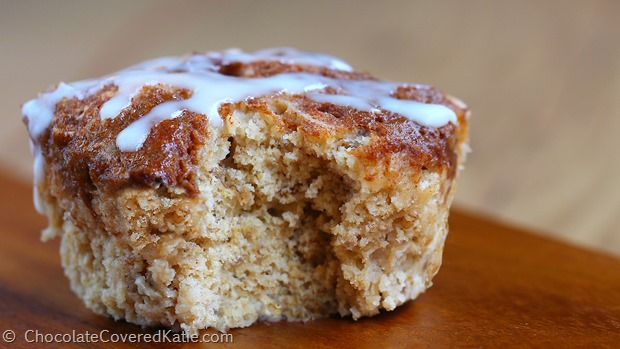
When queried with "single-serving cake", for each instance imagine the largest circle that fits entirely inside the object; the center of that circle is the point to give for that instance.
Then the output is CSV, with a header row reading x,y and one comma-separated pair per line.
x,y
222,188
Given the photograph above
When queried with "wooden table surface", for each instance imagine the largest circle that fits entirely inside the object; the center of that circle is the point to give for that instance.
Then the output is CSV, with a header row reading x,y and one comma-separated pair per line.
x,y
499,287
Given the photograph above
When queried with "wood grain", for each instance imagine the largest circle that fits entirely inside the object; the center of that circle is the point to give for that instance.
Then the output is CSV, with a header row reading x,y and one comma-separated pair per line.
x,y
499,287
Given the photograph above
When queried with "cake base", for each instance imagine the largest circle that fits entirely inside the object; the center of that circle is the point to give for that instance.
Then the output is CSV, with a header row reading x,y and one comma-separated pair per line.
x,y
286,224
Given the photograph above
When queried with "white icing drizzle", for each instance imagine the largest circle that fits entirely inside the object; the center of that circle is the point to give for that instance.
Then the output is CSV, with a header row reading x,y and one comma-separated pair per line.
x,y
345,101
374,96
39,114
210,89
284,55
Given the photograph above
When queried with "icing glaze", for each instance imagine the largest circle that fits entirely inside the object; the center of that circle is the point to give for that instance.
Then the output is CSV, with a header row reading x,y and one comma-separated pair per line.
x,y
284,55
210,89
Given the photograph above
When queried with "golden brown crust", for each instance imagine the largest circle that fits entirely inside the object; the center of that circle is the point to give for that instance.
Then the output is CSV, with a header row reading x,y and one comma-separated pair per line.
x,y
80,146
81,150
